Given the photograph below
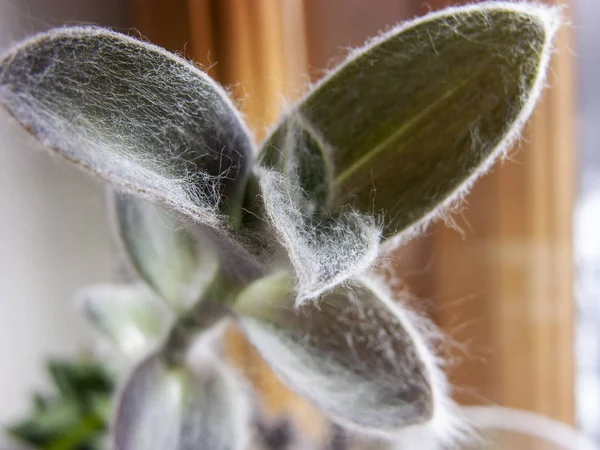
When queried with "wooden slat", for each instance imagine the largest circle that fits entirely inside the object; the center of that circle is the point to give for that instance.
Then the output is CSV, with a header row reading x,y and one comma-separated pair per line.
x,y
201,41
236,42
545,299
514,266
251,37
163,23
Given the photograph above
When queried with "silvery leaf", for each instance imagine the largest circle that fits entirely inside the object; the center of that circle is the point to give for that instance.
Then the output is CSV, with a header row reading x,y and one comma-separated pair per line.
x,y
324,250
179,408
354,353
167,255
129,315
132,114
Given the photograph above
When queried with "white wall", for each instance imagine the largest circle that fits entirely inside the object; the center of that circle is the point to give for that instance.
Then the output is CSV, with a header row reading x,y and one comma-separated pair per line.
x,y
54,237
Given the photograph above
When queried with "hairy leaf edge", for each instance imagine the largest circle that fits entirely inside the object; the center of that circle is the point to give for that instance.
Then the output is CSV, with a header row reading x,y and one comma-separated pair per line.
x,y
126,186
549,16
447,423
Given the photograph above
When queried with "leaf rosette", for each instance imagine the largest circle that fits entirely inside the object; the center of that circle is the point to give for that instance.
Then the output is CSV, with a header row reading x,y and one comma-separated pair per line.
x,y
282,240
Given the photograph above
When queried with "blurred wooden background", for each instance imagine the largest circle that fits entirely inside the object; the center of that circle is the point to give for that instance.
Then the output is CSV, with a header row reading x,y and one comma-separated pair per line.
x,y
502,289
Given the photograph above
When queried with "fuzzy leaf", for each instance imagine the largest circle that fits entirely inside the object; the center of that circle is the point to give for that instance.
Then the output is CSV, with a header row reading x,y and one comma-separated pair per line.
x,y
324,251
296,151
176,408
133,114
163,251
129,315
412,119
354,353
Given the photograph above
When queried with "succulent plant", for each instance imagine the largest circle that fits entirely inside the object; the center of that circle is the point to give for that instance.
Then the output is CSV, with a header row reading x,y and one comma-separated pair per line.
x,y
283,239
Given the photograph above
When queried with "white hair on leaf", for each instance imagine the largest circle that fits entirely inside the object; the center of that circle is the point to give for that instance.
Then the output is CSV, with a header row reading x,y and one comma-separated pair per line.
x,y
324,252
386,155
133,114
199,404
447,425
357,355
154,126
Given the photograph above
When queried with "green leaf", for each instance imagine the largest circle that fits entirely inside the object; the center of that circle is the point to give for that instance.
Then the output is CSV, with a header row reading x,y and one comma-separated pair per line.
x,y
132,114
80,381
81,435
354,353
74,417
40,402
46,426
164,251
180,408
61,428
412,119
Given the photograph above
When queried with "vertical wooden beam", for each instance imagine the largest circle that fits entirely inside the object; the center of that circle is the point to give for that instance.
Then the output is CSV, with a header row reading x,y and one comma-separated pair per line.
x,y
509,278
201,42
252,36
542,306
163,23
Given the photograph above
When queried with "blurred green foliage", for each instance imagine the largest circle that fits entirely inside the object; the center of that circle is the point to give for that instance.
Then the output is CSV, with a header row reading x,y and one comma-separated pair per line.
x,y
74,416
